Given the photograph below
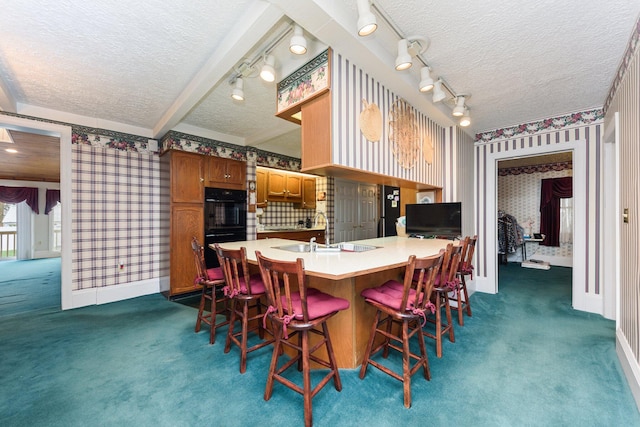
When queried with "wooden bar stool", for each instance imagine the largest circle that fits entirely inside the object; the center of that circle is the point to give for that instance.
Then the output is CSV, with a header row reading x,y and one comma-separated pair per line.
x,y
300,313
212,282
405,306
444,283
465,268
246,293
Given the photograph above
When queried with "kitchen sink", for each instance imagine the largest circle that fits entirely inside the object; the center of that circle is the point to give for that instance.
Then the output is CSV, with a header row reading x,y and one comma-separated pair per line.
x,y
296,247
342,247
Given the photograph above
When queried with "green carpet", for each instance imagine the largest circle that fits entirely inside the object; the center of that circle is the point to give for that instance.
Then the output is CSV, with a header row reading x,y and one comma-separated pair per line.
x,y
29,285
524,358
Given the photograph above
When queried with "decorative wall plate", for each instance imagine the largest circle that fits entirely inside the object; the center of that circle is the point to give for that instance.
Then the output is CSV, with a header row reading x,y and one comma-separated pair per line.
x,y
371,122
404,134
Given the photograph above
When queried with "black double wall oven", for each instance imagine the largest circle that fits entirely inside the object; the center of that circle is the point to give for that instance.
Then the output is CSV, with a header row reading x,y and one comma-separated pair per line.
x,y
225,219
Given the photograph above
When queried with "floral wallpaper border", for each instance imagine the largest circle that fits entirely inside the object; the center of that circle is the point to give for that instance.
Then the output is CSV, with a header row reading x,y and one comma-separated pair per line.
x,y
304,82
105,138
561,122
195,144
518,170
634,41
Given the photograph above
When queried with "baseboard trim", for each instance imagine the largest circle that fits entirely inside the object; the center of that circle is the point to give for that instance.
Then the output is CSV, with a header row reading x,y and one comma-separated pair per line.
x,y
107,294
629,365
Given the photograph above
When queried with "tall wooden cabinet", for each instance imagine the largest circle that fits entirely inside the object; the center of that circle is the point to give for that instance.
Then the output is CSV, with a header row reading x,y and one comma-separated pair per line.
x,y
188,174
186,215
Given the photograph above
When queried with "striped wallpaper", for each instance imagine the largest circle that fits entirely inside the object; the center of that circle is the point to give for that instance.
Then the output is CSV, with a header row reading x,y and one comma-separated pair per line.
x,y
624,101
349,86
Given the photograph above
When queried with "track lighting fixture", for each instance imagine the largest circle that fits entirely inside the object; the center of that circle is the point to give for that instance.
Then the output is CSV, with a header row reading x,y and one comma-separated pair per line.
x,y
438,93
403,60
298,43
238,91
409,47
268,72
465,120
458,110
366,19
426,82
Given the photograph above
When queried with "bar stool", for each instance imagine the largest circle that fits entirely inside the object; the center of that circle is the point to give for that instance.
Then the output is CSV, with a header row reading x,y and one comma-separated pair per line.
x,y
298,313
246,293
465,268
443,285
405,306
212,282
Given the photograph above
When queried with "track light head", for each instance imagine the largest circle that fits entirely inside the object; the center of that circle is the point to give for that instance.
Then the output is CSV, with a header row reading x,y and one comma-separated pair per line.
x,y
438,93
465,120
366,19
298,44
238,92
403,60
268,72
458,110
426,82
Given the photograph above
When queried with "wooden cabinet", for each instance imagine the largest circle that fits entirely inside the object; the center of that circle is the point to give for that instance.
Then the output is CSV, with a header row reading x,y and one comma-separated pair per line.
x,y
284,186
187,177
316,132
186,222
226,173
300,235
261,187
182,208
308,193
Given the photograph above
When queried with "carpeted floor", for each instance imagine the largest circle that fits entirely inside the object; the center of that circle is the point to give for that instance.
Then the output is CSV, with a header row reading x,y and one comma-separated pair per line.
x,y
29,285
524,358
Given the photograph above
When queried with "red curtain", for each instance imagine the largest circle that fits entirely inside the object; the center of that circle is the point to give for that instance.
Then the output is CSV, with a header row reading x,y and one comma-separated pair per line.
x,y
553,190
20,194
53,197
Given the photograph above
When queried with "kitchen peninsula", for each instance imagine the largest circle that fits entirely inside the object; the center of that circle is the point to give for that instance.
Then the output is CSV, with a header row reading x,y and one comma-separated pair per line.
x,y
345,274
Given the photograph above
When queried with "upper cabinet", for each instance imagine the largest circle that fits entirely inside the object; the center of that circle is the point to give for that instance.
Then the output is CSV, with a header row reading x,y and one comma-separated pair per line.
x,y
187,177
284,186
226,173
275,185
261,188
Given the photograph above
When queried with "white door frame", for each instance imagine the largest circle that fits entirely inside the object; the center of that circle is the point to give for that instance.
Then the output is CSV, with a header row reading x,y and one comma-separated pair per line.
x,y
64,133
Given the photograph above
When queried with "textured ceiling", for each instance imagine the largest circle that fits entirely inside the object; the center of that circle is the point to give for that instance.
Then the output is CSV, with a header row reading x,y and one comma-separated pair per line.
x,y
148,67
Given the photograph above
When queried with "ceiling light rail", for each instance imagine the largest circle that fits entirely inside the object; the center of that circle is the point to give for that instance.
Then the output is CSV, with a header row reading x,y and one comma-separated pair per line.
x,y
408,47
247,68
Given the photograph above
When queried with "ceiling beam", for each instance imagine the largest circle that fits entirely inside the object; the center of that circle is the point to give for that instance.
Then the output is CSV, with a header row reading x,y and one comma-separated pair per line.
x,y
258,20
7,101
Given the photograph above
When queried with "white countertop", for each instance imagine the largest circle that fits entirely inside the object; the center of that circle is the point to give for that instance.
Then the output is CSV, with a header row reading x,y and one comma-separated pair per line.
x,y
392,252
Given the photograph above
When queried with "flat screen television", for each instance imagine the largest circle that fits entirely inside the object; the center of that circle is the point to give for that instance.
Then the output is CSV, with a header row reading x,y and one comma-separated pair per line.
x,y
434,220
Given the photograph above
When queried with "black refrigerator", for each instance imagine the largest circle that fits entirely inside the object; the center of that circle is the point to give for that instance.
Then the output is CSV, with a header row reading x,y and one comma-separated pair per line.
x,y
389,210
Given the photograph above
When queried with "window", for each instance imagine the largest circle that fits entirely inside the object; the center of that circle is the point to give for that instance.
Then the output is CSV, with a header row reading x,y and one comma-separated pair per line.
x,y
55,228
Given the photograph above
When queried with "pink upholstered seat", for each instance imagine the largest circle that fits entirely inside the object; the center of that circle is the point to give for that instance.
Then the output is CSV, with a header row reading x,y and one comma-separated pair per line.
x,y
295,310
405,306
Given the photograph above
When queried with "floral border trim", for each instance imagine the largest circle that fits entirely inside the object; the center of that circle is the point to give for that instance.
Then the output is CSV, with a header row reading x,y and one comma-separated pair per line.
x,y
519,170
556,123
95,136
83,135
196,144
634,41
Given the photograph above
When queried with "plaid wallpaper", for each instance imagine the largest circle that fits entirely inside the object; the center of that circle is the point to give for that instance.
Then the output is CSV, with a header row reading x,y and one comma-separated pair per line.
x,y
115,216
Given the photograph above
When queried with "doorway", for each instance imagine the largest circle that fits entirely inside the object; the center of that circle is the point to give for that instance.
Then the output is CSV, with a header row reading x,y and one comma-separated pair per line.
x,y
63,136
356,211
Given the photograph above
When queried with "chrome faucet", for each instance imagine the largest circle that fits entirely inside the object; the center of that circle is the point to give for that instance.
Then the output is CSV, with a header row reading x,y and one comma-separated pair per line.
x,y
326,225
312,244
